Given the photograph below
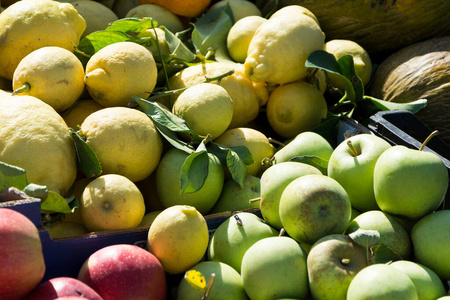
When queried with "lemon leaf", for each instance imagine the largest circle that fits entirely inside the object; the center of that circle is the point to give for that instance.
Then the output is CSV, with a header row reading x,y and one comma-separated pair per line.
x,y
12,176
132,25
413,106
36,191
312,160
195,279
177,47
194,172
355,87
87,160
55,203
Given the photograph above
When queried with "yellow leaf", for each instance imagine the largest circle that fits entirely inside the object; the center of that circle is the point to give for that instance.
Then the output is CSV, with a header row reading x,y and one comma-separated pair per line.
x,y
195,279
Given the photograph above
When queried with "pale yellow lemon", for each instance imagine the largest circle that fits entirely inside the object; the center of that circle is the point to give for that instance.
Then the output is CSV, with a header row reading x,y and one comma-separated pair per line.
x,y
149,218
82,109
158,13
65,229
159,36
97,15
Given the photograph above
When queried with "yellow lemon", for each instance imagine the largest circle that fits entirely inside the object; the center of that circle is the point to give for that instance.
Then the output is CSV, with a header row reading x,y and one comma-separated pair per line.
x,y
179,238
82,109
240,8
279,48
159,36
149,218
111,201
295,9
185,8
119,71
158,13
65,229
247,96
361,60
294,108
53,74
256,142
33,136
125,140
96,15
206,107
28,25
240,35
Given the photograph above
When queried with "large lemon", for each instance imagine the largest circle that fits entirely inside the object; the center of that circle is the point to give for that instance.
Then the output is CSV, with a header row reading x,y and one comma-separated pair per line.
x,y
53,74
178,237
125,140
119,71
28,25
111,201
33,136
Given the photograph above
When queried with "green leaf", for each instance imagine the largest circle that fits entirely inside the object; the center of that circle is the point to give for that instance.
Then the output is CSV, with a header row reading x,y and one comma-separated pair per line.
x,y
132,25
327,129
323,60
315,161
177,47
36,191
55,203
211,29
12,176
194,172
355,87
87,160
365,238
413,106
382,254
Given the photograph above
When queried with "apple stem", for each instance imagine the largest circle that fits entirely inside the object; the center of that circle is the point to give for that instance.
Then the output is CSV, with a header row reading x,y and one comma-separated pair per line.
x,y
282,232
352,148
271,140
433,134
209,286
238,220
254,200
345,261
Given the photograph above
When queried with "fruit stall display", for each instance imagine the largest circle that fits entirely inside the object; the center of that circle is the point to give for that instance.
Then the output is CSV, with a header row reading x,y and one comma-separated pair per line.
x,y
224,149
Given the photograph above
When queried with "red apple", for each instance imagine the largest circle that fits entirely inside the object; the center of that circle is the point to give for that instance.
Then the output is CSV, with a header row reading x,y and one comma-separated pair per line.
x,y
21,260
71,298
63,287
125,272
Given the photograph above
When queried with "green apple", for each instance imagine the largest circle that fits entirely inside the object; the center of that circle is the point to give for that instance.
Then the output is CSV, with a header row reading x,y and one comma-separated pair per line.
x,y
234,197
431,242
313,206
409,183
352,164
332,263
274,268
428,284
305,143
381,281
273,182
392,234
235,235
227,283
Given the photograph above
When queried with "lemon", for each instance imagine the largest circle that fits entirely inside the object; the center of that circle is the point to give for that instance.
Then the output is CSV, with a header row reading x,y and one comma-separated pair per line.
x,y
82,109
256,142
206,107
119,71
179,238
149,218
122,7
361,60
295,9
159,36
247,96
185,8
111,201
158,13
294,108
240,35
240,8
279,48
125,140
96,15
168,184
33,136
28,25
65,229
53,74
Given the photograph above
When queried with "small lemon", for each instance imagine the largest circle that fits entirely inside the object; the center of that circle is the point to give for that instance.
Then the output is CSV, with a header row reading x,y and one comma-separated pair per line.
x,y
53,74
240,35
179,238
125,140
361,60
65,229
280,47
247,96
111,201
82,109
149,218
97,15
256,142
240,8
294,108
158,13
206,107
119,71
159,35
185,8
168,184
34,137
28,25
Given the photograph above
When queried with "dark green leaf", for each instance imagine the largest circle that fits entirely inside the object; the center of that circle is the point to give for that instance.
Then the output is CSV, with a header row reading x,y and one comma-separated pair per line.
x,y
211,29
237,168
12,176
327,129
194,172
413,106
87,160
36,191
55,203
177,47
355,87
221,152
323,60
312,160
382,254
